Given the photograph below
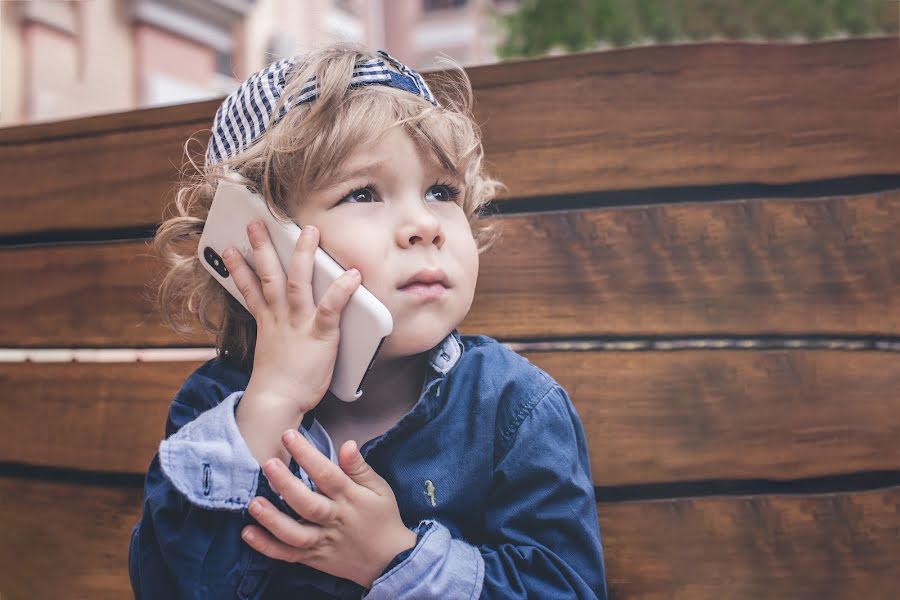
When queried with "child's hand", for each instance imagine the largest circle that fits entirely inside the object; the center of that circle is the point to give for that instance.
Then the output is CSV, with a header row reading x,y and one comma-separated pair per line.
x,y
351,528
296,342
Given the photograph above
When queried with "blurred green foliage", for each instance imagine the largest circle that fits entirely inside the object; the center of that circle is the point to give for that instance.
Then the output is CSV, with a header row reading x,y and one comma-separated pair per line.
x,y
539,26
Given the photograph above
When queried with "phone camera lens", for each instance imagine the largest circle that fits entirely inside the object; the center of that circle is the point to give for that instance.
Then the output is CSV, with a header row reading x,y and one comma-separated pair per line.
x,y
215,261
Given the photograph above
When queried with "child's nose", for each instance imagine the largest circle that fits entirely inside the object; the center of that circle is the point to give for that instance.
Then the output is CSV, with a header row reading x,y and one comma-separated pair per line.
x,y
420,226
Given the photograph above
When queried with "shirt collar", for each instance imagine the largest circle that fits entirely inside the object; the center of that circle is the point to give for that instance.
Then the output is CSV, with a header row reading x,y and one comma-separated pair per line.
x,y
445,355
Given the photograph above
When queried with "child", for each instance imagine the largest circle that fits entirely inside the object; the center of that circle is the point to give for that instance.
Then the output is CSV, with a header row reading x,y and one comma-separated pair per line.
x,y
473,477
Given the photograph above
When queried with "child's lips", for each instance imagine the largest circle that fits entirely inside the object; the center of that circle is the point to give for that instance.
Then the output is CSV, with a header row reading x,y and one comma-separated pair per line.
x,y
425,291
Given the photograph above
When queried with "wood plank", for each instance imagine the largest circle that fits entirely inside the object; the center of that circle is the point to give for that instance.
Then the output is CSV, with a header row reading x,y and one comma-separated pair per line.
x,y
649,416
696,114
109,180
106,417
727,415
66,540
87,295
826,546
745,267
61,540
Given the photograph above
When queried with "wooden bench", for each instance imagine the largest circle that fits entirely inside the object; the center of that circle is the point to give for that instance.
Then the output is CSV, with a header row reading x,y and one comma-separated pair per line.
x,y
700,245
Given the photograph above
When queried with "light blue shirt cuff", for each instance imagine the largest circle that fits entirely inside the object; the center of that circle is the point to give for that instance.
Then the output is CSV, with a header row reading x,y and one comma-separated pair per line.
x,y
438,567
208,461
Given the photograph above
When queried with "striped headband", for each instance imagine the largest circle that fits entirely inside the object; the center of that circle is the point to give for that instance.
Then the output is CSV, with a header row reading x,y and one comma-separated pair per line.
x,y
247,112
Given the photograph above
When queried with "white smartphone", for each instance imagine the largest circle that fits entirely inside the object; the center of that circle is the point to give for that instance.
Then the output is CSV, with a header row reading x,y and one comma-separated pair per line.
x,y
365,321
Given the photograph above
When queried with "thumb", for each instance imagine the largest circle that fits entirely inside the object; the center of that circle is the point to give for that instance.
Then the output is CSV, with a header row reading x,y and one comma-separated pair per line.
x,y
356,467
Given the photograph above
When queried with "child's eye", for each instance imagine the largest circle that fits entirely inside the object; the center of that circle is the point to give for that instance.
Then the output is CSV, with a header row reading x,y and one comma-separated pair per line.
x,y
360,195
442,192
446,192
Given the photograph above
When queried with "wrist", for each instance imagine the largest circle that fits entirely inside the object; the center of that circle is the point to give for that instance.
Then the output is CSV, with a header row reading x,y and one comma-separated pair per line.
x,y
261,417
401,541
262,395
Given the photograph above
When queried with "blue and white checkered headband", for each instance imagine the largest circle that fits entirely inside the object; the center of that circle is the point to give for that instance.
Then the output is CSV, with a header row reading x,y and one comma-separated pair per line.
x,y
247,112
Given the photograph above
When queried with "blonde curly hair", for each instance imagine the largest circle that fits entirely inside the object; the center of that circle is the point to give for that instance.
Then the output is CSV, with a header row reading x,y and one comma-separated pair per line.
x,y
301,153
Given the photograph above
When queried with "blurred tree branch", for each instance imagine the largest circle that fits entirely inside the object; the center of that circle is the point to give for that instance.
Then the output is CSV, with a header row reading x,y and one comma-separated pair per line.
x,y
539,27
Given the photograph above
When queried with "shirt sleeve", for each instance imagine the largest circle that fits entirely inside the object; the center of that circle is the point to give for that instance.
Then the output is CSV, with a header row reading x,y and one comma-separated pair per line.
x,y
208,461
542,511
187,543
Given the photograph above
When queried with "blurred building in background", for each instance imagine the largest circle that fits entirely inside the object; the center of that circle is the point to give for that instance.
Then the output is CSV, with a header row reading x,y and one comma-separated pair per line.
x,y
64,59
69,58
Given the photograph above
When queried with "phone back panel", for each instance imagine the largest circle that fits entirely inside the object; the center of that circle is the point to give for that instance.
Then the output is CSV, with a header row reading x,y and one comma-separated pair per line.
x,y
365,321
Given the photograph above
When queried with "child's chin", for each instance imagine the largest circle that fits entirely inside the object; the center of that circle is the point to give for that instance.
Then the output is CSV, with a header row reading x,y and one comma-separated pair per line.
x,y
408,341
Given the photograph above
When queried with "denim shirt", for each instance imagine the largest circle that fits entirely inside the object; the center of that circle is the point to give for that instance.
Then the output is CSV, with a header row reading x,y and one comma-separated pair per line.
x,y
490,469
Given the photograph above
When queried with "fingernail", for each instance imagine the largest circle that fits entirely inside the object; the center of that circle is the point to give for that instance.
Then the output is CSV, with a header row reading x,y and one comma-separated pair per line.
x,y
255,508
309,230
254,226
288,436
353,273
247,534
228,254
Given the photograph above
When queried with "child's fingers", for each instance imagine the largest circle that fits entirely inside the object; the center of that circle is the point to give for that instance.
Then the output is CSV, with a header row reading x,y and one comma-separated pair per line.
x,y
305,502
244,279
359,471
268,267
291,532
265,543
300,269
328,477
335,298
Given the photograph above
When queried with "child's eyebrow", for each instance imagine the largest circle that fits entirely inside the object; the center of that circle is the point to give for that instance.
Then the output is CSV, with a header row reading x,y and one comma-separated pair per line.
x,y
364,171
368,171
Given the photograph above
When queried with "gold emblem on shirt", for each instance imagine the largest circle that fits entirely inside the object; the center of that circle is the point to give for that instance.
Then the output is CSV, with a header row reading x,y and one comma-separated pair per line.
x,y
429,491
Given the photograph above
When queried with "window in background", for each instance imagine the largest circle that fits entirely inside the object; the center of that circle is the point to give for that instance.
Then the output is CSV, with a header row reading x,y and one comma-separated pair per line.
x,y
432,5
348,6
223,63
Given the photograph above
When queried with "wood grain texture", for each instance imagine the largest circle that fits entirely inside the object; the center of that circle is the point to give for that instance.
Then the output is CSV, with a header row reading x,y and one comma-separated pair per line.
x,y
104,417
108,180
649,417
71,541
694,114
744,267
60,540
86,295
730,415
822,547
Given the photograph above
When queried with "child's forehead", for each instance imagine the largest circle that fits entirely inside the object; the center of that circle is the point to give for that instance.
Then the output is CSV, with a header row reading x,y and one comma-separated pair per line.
x,y
379,162
384,152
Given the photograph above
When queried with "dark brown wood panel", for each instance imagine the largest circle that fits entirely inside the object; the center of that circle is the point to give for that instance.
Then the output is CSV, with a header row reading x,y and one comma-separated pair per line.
x,y
724,415
743,267
830,546
83,295
114,179
698,114
824,547
107,417
648,416
60,540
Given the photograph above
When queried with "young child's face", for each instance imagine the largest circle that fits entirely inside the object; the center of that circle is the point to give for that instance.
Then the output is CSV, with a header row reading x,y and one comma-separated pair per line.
x,y
403,222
